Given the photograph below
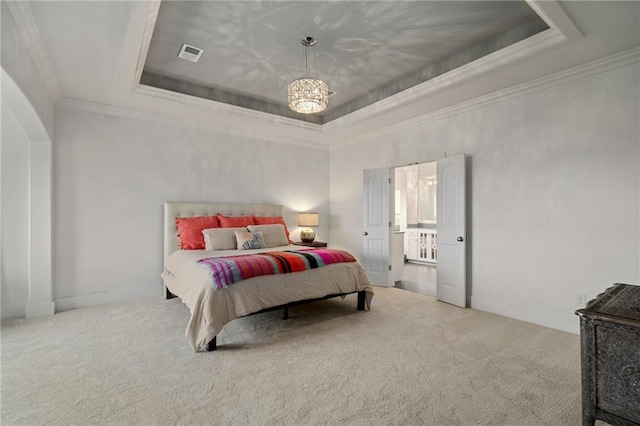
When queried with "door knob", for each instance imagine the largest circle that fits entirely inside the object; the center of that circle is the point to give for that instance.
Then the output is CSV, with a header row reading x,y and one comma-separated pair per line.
x,y
460,239
365,233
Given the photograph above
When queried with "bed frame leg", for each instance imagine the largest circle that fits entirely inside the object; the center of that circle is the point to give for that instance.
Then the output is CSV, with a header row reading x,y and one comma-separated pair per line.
x,y
168,294
361,299
212,345
285,313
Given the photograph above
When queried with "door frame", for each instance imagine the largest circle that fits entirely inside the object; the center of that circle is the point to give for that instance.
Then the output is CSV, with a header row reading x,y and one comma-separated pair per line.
x,y
429,158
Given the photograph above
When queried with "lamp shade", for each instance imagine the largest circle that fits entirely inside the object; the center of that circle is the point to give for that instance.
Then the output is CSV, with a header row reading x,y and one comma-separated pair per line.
x,y
308,219
308,95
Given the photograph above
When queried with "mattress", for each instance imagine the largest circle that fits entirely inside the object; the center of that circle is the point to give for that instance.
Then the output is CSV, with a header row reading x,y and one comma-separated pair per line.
x,y
212,307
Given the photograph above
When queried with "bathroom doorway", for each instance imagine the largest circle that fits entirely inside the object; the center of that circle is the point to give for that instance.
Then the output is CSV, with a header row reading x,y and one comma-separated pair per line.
x,y
440,241
416,220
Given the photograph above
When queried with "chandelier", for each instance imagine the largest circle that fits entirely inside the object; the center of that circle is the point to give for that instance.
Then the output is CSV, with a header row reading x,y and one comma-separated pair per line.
x,y
308,95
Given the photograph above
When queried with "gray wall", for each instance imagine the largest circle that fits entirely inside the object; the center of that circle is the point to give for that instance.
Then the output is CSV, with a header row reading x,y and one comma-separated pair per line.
x,y
112,175
553,182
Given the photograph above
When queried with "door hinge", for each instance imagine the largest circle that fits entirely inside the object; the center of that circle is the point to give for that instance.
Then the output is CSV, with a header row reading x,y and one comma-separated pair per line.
x,y
389,267
389,181
389,224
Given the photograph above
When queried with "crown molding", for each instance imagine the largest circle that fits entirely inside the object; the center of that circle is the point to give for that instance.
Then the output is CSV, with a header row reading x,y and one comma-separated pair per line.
x,y
162,118
139,33
21,14
608,63
518,51
215,107
230,119
152,8
554,15
162,106
561,30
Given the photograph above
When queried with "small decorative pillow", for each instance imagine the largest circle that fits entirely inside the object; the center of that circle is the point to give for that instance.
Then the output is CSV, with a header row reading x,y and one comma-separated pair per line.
x,y
274,235
249,240
221,238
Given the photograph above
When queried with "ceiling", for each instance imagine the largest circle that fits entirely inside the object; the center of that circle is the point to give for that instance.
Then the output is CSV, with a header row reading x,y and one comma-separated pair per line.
x,y
95,53
366,51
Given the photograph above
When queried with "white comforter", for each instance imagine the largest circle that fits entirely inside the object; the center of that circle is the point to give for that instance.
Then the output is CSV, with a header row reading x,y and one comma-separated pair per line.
x,y
212,307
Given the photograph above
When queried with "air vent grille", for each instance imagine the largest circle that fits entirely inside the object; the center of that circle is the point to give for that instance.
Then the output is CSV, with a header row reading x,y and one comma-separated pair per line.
x,y
190,53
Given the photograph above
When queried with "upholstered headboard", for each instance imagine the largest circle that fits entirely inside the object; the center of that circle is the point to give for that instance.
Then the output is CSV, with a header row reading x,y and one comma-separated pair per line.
x,y
181,209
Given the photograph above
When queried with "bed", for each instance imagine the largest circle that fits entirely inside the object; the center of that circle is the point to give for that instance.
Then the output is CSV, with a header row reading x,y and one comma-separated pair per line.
x,y
211,306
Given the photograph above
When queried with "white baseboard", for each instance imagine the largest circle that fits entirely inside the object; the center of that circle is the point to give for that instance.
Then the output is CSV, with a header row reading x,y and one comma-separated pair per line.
x,y
16,310
569,324
106,298
39,309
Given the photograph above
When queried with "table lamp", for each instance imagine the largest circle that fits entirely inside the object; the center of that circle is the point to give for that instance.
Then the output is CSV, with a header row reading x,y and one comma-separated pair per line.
x,y
307,220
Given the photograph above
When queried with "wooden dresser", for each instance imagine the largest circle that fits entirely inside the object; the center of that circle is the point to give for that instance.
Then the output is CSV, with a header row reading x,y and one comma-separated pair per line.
x,y
610,346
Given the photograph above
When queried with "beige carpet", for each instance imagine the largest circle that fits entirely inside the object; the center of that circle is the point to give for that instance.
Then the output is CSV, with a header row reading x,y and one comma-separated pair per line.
x,y
409,361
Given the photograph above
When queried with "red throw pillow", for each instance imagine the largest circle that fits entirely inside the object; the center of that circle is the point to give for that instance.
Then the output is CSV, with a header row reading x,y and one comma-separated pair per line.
x,y
235,221
271,220
190,230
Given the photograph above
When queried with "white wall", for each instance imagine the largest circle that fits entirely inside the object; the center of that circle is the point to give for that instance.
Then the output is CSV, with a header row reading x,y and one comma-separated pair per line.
x,y
14,155
27,105
113,174
553,191
18,63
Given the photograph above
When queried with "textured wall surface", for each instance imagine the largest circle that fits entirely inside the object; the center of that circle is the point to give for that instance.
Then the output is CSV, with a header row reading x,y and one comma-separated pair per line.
x,y
552,191
112,176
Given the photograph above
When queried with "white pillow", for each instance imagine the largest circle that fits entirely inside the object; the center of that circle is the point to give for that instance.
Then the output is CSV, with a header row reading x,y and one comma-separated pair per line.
x,y
220,238
274,235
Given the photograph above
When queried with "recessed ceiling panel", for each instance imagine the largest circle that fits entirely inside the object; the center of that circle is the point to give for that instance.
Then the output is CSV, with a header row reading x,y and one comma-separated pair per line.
x,y
366,51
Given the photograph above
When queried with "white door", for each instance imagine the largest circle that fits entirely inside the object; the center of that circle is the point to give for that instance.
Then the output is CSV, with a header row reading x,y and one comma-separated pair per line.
x,y
451,284
377,228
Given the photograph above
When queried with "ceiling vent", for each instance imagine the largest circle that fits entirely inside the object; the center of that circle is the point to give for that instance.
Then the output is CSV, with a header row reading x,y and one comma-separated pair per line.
x,y
190,53
331,93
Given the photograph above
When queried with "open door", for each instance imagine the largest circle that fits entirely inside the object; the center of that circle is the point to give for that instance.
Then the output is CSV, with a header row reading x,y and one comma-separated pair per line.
x,y
451,225
377,227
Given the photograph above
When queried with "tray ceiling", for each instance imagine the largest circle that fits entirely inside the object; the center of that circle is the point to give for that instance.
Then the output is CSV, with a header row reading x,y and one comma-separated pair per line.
x,y
366,51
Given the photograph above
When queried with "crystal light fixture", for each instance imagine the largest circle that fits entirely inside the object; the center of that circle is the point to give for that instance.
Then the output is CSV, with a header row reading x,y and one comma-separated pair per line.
x,y
308,95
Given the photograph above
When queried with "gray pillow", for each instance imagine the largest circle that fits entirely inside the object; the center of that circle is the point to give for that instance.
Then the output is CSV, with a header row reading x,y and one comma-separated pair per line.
x,y
274,235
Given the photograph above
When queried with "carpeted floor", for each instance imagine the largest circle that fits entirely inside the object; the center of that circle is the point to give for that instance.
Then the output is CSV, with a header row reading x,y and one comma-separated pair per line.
x,y
409,361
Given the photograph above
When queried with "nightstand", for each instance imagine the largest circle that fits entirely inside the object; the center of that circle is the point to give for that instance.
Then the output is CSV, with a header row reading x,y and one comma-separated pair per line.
x,y
311,244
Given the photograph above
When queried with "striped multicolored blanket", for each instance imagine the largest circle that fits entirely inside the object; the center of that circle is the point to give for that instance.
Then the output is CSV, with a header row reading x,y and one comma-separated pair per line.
x,y
231,269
